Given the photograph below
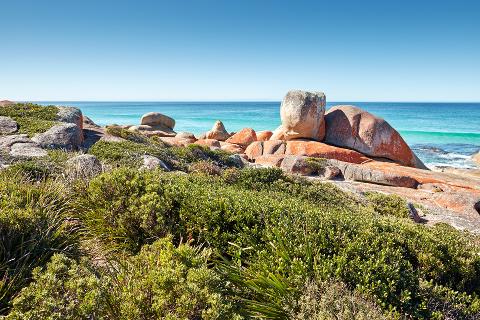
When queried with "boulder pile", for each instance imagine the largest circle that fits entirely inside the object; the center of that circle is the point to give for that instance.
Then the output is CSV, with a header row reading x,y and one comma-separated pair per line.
x,y
66,135
344,143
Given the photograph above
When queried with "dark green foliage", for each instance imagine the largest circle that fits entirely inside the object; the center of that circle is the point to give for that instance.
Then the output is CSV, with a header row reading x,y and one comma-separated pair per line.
x,y
31,118
32,227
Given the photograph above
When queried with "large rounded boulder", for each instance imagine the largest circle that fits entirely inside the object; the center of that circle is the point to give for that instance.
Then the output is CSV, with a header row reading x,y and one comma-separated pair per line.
x,y
302,114
353,128
156,119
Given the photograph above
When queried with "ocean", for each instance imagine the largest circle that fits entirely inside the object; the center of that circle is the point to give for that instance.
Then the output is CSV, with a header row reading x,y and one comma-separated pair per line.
x,y
441,134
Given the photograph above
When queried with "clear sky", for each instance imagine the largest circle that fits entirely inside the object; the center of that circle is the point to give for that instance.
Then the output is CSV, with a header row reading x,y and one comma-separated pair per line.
x,y
239,49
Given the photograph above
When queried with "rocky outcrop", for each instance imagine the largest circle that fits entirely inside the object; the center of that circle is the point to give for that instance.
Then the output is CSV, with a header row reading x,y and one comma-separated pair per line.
x,y
353,128
230,147
254,150
21,146
27,150
370,174
321,150
70,115
156,119
88,123
84,166
218,132
297,165
264,135
66,136
302,115
8,125
244,137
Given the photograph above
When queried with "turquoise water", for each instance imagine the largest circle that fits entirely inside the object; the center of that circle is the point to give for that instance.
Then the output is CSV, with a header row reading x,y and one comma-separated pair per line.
x,y
440,133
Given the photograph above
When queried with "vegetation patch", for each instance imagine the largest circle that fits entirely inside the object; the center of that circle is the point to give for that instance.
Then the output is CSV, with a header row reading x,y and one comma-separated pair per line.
x,y
31,118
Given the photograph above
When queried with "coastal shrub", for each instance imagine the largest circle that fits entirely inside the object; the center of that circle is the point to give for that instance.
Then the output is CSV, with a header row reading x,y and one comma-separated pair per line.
x,y
294,229
168,282
161,282
129,153
33,227
127,208
388,204
64,289
445,303
332,300
205,167
31,118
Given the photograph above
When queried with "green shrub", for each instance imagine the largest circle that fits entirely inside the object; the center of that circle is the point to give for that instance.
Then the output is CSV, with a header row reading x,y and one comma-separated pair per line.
x,y
31,118
388,204
33,227
129,153
164,282
272,225
161,282
127,209
63,290
445,303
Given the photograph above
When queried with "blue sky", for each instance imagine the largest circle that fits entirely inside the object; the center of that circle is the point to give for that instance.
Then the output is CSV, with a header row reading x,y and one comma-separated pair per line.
x,y
239,50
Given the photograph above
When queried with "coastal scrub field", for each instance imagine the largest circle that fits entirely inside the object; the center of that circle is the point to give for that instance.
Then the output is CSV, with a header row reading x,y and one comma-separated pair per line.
x,y
211,239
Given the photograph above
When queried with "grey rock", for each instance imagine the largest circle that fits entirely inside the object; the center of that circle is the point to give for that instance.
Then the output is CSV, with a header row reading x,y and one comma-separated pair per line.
x,y
152,163
329,172
70,115
27,150
67,136
238,160
7,141
87,122
8,125
84,166
302,115
296,165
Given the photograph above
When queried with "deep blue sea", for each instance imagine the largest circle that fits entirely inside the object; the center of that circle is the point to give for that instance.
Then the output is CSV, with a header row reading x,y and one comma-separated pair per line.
x,y
442,134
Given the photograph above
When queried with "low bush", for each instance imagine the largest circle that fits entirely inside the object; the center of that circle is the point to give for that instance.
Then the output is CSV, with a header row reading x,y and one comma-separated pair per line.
x,y
129,153
388,205
33,227
31,118
161,282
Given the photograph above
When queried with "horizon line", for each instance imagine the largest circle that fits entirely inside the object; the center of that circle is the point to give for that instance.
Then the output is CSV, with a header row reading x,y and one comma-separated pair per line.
x,y
247,100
